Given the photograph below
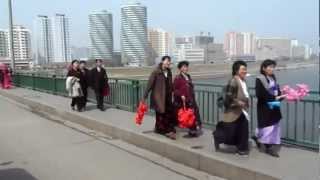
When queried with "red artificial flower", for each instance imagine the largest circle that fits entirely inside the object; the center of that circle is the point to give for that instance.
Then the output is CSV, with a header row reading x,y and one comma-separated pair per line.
x,y
186,117
142,109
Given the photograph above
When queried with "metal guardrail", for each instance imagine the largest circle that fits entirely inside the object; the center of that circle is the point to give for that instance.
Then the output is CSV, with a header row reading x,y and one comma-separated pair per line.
x,y
299,124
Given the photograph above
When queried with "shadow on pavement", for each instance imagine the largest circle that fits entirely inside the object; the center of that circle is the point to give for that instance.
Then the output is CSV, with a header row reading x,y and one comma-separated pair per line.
x,y
15,174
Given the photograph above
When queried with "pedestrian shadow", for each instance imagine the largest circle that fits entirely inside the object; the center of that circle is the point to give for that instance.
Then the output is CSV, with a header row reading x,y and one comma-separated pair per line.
x,y
91,107
94,107
15,174
6,163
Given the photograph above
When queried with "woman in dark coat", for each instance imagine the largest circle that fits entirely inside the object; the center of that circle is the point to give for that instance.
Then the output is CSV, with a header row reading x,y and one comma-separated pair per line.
x,y
84,82
267,91
184,95
160,86
233,130
75,72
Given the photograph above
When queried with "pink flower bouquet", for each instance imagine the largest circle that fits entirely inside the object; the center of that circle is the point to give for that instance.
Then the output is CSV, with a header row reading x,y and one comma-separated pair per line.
x,y
296,94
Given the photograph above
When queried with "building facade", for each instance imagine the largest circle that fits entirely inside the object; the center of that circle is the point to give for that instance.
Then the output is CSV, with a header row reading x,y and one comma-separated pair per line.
x,y
215,53
301,52
43,40
61,36
4,43
203,40
101,35
237,44
186,52
135,48
21,45
161,41
274,48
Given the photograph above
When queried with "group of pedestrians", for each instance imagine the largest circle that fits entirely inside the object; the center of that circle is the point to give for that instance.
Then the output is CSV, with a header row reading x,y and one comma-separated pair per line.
x,y
168,94
80,78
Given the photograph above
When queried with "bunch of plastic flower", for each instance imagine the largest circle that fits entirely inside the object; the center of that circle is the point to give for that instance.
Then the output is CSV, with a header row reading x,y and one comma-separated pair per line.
x,y
186,117
142,109
296,94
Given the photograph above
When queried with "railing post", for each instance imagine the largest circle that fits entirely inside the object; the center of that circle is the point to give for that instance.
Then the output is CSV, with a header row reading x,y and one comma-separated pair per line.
x,y
135,94
33,81
54,84
114,97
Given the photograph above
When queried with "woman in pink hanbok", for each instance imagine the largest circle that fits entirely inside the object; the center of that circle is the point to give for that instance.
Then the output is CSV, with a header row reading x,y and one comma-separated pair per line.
x,y
6,82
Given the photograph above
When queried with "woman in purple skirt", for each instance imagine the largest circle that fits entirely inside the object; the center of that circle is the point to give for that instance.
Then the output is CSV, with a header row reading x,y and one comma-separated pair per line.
x,y
268,133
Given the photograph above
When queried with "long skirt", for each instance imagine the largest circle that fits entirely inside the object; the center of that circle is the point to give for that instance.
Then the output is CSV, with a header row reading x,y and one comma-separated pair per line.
x,y
234,133
165,122
270,134
7,82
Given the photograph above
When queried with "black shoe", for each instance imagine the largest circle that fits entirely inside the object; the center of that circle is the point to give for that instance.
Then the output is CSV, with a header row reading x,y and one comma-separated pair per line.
x,y
102,109
243,153
80,110
191,134
272,152
73,108
255,139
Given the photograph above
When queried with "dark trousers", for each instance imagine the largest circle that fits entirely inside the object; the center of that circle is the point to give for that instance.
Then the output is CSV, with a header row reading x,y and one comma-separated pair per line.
x,y
234,133
99,98
77,101
85,97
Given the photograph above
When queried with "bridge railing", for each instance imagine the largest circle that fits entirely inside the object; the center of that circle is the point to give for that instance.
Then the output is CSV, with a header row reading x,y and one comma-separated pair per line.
x,y
299,124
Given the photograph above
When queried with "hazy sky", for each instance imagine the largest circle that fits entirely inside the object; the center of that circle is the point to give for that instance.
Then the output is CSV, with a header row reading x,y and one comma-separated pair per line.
x,y
277,18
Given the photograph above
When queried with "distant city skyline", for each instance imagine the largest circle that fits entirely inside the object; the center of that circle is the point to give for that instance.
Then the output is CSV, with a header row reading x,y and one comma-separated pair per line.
x,y
271,18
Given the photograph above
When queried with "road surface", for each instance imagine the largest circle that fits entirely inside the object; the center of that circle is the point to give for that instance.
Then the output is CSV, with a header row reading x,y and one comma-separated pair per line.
x,y
34,148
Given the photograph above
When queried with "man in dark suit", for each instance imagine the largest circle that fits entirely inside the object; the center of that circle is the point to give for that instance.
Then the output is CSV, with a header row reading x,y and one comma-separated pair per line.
x,y
99,82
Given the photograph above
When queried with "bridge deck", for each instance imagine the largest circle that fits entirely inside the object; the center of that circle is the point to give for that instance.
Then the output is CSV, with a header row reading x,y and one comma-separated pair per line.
x,y
293,164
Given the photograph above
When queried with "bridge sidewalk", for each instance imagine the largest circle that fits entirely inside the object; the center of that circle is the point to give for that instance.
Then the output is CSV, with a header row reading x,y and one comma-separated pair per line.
x,y
293,164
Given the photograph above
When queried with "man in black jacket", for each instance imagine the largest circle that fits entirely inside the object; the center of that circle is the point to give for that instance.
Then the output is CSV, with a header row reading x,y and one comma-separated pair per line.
x,y
99,82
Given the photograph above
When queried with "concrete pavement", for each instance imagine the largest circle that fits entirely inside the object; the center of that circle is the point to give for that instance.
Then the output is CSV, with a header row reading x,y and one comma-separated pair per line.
x,y
34,148
294,164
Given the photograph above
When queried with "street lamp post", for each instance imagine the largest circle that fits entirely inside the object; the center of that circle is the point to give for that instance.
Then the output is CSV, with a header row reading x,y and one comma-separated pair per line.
x,y
11,36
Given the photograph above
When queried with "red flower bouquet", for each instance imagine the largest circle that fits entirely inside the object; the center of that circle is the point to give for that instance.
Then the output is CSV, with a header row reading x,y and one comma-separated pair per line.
x,y
186,117
142,109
